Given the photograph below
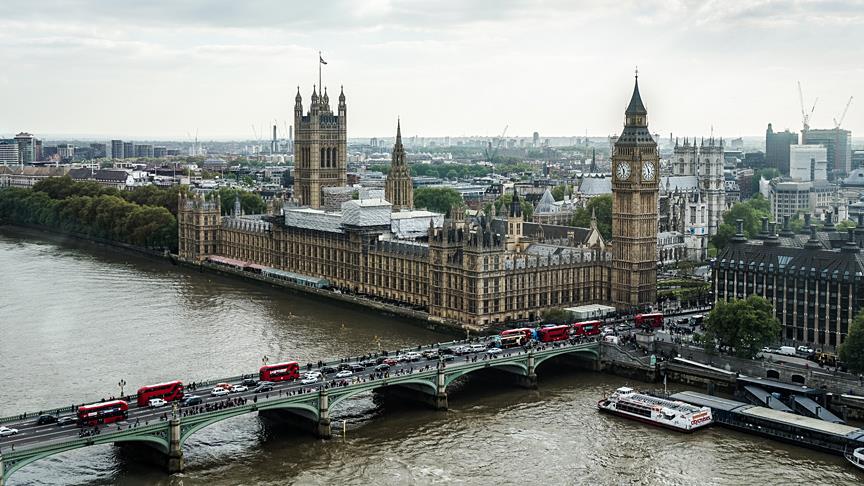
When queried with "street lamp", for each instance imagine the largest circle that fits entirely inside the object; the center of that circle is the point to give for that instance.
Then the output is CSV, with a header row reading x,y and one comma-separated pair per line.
x,y
121,384
264,360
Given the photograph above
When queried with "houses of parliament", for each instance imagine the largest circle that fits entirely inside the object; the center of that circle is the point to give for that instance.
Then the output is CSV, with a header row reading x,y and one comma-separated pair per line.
x,y
472,271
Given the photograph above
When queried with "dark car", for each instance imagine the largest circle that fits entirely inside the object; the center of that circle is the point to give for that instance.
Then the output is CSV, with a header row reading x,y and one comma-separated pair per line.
x,y
449,357
328,369
249,382
65,421
344,366
382,368
46,419
191,400
367,364
380,359
265,387
356,368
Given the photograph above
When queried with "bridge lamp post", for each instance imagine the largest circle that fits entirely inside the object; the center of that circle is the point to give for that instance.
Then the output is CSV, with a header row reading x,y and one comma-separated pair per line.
x,y
121,384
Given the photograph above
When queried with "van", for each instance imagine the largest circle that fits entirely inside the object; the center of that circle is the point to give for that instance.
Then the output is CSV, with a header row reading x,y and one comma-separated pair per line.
x,y
787,350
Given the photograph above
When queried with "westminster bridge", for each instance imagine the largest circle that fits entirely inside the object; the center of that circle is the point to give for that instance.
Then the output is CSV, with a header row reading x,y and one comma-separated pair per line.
x,y
161,432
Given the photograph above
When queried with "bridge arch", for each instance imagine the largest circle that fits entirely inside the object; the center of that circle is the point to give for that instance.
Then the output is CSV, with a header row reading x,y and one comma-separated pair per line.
x,y
798,379
567,350
772,374
429,385
517,368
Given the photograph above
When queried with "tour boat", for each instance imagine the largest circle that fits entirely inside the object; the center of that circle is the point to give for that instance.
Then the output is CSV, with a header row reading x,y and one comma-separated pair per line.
x,y
856,457
671,414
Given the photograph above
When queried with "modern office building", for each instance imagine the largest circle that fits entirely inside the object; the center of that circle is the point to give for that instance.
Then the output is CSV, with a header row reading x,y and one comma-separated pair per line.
x,y
808,163
816,290
128,150
788,198
117,149
144,150
9,152
27,148
838,142
777,148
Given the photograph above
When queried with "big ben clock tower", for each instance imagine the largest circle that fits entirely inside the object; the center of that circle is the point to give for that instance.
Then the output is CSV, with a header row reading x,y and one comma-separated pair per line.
x,y
635,174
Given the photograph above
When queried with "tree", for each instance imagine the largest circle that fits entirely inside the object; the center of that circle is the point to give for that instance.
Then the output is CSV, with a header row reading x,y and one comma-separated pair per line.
x,y
744,326
852,349
502,206
250,202
751,211
438,199
561,190
557,316
602,208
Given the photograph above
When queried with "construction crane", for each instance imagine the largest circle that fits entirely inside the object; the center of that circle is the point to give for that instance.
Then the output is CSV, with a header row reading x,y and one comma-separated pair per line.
x,y
805,116
838,122
490,153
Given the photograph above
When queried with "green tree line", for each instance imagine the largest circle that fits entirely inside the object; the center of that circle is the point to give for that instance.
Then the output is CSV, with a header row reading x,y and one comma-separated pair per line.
x,y
142,217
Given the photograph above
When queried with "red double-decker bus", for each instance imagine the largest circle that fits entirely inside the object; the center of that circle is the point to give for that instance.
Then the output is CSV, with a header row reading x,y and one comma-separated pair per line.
x,y
587,328
280,372
525,332
652,320
103,413
553,333
172,390
512,341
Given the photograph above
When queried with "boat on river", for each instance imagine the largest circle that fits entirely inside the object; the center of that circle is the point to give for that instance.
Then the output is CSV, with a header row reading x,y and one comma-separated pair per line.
x,y
856,457
672,414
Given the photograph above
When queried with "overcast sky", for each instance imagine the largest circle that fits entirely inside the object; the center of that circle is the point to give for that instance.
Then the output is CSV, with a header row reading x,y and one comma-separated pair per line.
x,y
164,68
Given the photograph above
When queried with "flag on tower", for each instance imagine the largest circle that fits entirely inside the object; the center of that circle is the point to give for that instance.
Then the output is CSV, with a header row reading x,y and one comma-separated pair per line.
x,y
321,59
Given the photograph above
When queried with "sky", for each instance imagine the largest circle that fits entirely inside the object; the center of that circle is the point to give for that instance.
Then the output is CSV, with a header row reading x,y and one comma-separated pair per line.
x,y
167,69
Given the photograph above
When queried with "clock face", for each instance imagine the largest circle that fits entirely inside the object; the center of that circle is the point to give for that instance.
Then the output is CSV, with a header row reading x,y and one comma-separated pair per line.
x,y
648,171
623,171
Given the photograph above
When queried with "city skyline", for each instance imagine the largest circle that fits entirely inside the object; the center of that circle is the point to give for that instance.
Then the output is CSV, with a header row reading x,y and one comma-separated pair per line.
x,y
218,70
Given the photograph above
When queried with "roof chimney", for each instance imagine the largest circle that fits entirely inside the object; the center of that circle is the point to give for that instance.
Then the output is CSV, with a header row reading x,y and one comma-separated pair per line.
x,y
813,242
772,239
764,233
829,221
739,234
787,231
850,246
806,228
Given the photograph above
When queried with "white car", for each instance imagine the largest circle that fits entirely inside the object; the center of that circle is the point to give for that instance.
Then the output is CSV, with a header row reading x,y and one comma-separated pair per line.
x,y
156,403
344,374
6,431
308,380
493,351
313,374
218,392
239,388
476,348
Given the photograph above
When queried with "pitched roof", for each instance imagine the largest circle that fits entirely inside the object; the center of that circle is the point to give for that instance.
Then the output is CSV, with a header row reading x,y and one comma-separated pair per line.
x,y
546,204
636,107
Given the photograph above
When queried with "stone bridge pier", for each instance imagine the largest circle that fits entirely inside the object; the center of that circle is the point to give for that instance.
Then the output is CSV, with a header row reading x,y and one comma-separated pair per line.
x,y
175,449
313,418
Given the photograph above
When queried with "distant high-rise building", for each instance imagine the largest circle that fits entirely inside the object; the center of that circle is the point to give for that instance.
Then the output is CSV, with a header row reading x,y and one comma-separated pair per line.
x,y
535,139
808,162
160,152
777,149
144,150
9,152
128,150
26,148
838,143
117,149
398,189
100,150
66,151
320,148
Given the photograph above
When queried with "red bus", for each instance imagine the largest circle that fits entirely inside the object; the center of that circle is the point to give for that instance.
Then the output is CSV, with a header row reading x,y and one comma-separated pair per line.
x,y
525,332
553,333
103,413
512,341
172,390
280,372
587,328
652,320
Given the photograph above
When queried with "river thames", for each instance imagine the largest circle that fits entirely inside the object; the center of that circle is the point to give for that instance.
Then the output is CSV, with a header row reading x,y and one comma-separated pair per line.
x,y
75,319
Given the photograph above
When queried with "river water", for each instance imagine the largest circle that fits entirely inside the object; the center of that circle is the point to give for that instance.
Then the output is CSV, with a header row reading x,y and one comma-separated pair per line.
x,y
75,320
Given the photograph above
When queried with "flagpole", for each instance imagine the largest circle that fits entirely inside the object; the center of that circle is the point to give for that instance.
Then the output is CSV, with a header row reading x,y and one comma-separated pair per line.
x,y
320,86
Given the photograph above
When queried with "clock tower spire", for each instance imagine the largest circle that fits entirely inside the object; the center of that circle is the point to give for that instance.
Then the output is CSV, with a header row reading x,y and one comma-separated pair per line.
x,y
635,174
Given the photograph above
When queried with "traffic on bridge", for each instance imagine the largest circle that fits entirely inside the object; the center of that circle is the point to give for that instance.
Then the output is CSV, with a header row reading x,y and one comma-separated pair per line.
x,y
308,389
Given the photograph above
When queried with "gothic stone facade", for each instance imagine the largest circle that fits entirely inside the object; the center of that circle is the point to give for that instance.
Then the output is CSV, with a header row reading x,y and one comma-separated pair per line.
x,y
320,148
